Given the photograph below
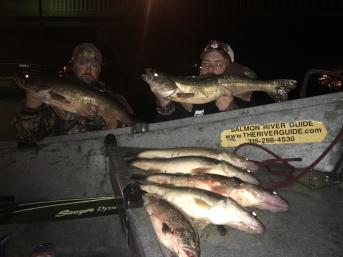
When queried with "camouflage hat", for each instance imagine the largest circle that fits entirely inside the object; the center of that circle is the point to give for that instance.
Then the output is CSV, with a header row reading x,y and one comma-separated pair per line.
x,y
86,51
219,46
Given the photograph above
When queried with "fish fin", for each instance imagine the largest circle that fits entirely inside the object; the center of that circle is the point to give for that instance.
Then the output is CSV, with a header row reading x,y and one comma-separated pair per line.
x,y
222,190
111,123
199,170
154,171
201,203
224,82
59,98
185,95
281,89
244,96
187,106
199,224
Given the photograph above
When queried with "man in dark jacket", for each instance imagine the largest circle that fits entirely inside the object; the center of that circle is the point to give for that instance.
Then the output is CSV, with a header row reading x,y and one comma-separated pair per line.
x,y
217,58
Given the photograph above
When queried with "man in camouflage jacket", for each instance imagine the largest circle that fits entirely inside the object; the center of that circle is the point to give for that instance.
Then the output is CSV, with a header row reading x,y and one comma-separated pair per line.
x,y
37,120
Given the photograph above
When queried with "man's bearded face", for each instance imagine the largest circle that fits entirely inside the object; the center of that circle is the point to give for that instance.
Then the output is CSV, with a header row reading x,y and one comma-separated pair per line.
x,y
87,67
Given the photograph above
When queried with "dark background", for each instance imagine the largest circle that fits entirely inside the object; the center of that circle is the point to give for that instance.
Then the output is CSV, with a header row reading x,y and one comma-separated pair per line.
x,y
277,39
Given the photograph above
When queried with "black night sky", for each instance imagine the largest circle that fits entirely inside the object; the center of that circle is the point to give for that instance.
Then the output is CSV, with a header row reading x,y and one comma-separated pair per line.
x,y
277,39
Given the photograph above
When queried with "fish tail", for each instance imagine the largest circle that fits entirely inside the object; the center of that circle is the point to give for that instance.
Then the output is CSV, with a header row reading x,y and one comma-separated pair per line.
x,y
281,89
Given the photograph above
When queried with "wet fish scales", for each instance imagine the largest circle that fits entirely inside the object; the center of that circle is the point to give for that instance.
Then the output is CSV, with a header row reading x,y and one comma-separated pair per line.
x,y
172,227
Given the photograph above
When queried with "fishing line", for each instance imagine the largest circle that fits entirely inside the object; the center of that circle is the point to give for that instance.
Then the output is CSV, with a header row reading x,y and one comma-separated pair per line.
x,y
289,173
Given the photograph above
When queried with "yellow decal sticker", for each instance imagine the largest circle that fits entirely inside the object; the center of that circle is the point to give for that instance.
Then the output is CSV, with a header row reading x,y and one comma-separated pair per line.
x,y
295,132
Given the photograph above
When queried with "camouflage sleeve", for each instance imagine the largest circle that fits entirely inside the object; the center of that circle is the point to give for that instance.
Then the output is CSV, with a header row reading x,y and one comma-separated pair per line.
x,y
32,125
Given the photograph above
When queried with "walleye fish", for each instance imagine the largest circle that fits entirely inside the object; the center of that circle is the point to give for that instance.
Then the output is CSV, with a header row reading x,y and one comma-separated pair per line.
x,y
193,165
70,95
232,158
243,193
172,227
207,207
204,89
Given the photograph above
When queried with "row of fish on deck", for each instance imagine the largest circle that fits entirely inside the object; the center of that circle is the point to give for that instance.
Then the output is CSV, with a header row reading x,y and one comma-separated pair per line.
x,y
69,96
185,189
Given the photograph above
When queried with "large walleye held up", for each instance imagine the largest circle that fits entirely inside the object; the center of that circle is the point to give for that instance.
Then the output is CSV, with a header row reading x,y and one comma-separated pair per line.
x,y
193,165
204,89
232,158
207,207
70,95
172,227
243,193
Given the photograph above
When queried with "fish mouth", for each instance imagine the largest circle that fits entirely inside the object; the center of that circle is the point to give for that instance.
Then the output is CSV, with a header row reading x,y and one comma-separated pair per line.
x,y
254,227
272,203
149,75
251,166
146,78
159,83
